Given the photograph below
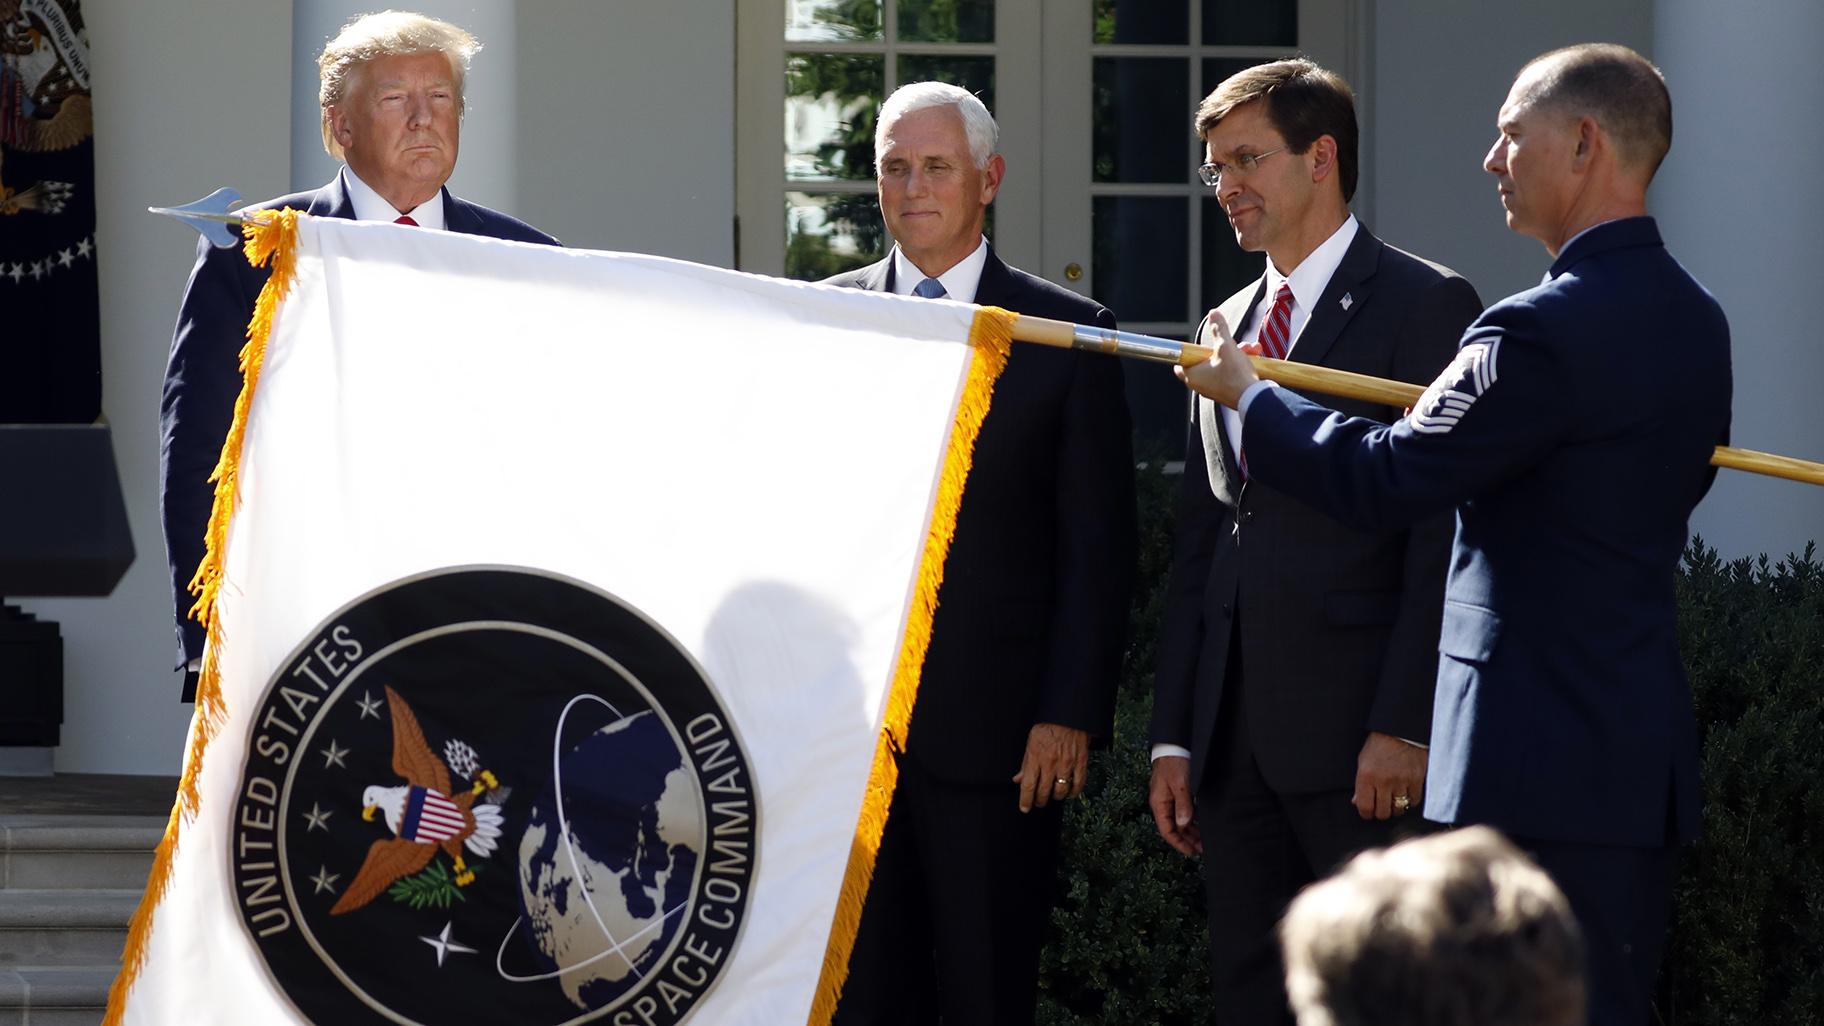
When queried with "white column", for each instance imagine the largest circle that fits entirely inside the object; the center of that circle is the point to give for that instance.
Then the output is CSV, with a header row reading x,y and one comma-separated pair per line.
x,y
1740,205
487,167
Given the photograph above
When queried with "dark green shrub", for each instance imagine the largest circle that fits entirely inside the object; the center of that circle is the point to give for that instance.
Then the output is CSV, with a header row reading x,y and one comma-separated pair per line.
x,y
1747,943
1127,945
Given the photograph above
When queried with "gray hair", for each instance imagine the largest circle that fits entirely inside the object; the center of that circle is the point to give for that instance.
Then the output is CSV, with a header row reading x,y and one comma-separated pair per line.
x,y
385,34
978,124
1455,929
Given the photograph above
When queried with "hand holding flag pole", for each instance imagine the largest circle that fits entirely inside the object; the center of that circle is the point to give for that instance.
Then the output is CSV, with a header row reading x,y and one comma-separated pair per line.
x,y
1329,381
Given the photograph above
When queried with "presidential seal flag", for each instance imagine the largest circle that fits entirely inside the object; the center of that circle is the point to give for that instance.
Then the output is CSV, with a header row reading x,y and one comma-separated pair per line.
x,y
562,606
50,308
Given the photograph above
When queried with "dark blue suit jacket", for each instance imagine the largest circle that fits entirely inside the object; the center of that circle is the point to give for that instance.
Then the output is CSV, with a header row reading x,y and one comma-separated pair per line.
x,y
1573,434
1341,631
1032,617
202,377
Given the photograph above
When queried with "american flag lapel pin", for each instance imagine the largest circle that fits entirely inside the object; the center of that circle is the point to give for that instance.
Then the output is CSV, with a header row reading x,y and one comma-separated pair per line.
x,y
1347,301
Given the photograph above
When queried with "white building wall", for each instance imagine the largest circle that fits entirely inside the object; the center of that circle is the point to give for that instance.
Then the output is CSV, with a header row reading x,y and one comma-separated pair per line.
x,y
1740,205
1440,71
627,125
185,101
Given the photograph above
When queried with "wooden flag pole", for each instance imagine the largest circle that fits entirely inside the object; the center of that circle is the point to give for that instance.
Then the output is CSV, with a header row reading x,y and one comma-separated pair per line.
x,y
1328,381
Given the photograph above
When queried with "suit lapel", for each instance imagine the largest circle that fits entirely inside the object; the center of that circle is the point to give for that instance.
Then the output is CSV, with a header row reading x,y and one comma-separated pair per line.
x,y
1354,278
1225,475
877,277
996,286
332,201
457,216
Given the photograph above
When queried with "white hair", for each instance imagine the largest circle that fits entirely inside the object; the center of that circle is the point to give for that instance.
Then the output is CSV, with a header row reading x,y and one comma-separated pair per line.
x,y
978,124
386,34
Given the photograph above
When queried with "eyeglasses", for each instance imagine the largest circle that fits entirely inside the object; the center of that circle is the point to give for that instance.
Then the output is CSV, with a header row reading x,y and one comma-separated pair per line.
x,y
1211,174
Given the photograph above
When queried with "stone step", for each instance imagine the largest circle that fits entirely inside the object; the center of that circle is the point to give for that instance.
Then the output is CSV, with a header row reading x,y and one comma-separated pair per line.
x,y
60,928
77,852
54,995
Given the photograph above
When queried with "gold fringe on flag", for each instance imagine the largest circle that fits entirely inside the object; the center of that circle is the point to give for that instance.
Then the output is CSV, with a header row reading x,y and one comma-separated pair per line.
x,y
274,240
992,337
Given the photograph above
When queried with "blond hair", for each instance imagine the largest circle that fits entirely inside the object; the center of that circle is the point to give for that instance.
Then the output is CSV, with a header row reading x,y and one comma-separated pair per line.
x,y
385,34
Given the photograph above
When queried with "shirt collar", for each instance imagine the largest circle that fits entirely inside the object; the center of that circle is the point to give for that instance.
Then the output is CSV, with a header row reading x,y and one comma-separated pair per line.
x,y
1312,275
370,206
960,282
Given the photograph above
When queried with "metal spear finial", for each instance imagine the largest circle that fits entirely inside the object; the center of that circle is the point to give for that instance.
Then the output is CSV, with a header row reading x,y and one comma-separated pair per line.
x,y
210,216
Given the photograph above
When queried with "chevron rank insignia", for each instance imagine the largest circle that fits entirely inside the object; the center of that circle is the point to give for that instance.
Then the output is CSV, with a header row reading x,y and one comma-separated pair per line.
x,y
1467,379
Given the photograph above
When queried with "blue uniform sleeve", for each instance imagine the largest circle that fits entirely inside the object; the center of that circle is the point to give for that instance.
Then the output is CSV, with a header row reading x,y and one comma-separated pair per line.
x,y
1503,402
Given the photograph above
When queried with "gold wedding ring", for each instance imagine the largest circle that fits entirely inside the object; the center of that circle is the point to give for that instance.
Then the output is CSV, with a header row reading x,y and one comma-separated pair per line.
x,y
1401,803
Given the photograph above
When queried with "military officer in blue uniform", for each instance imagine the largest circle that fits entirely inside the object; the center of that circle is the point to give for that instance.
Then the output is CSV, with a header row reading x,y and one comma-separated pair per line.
x,y
1573,435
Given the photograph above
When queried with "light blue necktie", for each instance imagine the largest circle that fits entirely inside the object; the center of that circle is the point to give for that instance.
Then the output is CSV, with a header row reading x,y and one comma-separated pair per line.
x,y
930,288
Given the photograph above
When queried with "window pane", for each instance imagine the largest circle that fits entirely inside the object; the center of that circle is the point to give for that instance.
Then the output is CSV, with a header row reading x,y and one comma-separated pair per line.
x,y
975,74
1250,23
946,21
1226,266
830,103
1139,246
828,234
1140,121
832,21
1143,21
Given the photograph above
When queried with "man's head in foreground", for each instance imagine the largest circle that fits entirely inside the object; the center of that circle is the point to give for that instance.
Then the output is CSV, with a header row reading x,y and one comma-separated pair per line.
x,y
1454,929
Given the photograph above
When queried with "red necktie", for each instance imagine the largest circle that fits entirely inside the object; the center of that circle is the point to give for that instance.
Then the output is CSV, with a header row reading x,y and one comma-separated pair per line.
x,y
405,219
1275,338
1276,333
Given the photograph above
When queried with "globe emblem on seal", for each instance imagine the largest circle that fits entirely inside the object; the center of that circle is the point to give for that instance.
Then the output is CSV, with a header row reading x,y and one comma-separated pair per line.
x,y
609,855
490,794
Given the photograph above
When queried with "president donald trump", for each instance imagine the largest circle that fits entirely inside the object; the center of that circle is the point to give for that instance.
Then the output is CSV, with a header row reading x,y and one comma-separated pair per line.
x,y
392,96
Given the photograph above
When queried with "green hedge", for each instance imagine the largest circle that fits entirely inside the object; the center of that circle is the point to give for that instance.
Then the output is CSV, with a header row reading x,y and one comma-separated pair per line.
x,y
1127,941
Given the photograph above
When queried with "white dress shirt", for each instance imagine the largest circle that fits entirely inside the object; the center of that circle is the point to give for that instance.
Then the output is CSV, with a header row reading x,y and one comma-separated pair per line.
x,y
1308,280
370,206
959,282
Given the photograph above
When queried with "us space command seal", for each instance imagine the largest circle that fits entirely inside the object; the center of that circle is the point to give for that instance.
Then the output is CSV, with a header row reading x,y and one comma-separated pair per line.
x,y
493,795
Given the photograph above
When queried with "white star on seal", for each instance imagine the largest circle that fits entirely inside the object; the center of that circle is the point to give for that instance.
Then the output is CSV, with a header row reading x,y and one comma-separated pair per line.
x,y
84,248
37,269
370,706
332,756
65,257
325,880
445,945
16,273
319,818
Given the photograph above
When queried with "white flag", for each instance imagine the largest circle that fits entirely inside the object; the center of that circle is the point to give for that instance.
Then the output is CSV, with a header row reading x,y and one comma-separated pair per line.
x,y
555,631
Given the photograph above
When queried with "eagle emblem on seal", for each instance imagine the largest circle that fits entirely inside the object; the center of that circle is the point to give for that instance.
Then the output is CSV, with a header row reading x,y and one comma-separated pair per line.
x,y
426,814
